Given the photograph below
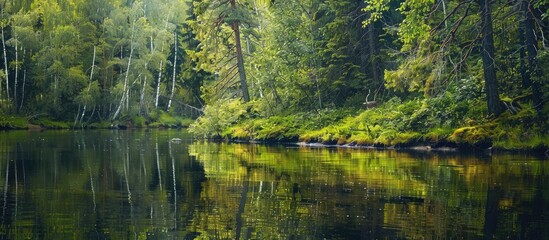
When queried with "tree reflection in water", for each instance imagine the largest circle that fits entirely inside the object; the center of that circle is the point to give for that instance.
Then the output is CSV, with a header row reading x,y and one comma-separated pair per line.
x,y
139,184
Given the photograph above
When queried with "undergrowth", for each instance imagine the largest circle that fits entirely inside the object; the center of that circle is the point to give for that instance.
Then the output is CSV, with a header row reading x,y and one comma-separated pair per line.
x,y
435,122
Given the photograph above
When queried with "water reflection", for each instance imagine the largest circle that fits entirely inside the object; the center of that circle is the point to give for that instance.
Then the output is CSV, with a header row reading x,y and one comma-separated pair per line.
x,y
97,184
350,194
140,184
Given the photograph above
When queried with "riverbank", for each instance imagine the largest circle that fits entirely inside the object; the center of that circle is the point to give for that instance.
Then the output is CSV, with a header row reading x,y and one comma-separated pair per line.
x,y
164,120
394,124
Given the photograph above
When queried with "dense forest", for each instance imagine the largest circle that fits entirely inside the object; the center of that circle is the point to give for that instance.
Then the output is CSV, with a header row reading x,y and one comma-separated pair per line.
x,y
357,72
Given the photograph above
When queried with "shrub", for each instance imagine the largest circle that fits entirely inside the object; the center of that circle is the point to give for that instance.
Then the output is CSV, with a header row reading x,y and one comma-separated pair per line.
x,y
218,117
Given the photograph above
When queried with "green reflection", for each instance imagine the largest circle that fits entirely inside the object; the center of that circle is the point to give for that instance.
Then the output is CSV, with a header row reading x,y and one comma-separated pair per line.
x,y
96,184
141,185
349,193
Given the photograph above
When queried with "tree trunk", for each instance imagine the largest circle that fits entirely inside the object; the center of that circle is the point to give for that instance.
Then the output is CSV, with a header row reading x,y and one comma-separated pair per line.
x,y
373,47
6,70
16,73
173,77
488,51
523,68
142,97
530,41
90,82
158,85
125,93
23,88
239,57
104,72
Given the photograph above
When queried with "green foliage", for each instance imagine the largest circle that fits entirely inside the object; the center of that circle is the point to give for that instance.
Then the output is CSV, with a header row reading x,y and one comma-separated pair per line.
x,y
217,117
139,122
12,122
166,120
473,135
310,66
438,134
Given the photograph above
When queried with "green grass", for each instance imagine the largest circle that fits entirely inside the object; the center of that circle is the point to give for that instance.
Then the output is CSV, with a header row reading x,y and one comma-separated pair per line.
x,y
13,122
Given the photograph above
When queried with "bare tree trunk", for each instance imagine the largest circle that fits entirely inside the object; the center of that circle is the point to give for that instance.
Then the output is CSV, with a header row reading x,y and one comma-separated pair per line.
x,y
104,72
23,89
6,70
89,84
173,77
239,57
142,97
488,52
125,91
158,84
160,67
16,72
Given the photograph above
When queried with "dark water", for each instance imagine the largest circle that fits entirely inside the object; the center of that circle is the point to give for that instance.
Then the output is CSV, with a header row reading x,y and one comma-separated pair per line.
x,y
140,185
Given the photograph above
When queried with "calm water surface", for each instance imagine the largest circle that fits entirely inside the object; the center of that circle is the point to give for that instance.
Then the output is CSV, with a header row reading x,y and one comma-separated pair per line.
x,y
138,184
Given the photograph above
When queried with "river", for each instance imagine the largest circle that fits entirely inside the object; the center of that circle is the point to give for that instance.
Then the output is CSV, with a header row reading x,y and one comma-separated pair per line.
x,y
145,184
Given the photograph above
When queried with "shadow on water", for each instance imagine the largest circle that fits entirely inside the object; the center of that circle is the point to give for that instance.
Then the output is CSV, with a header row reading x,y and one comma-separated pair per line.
x,y
142,184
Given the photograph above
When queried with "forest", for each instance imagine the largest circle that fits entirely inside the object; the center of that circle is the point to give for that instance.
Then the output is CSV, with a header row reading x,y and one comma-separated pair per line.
x,y
384,73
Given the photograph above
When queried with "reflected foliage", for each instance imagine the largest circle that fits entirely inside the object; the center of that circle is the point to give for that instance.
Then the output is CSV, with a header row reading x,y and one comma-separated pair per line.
x,y
350,194
96,185
149,185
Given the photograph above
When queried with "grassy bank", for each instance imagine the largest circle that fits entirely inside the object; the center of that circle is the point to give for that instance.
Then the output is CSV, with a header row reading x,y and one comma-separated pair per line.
x,y
431,122
156,120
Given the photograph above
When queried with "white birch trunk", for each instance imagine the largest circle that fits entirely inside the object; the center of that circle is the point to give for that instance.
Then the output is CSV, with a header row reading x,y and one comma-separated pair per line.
x,y
23,89
16,72
6,70
89,84
158,85
124,92
173,77
142,97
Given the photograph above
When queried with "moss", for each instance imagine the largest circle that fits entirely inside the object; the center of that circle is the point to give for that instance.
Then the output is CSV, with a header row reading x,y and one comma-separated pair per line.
x,y
436,135
480,136
361,139
394,123
406,139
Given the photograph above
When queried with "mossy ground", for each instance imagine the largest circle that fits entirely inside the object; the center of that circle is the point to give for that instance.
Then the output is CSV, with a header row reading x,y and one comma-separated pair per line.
x,y
395,124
